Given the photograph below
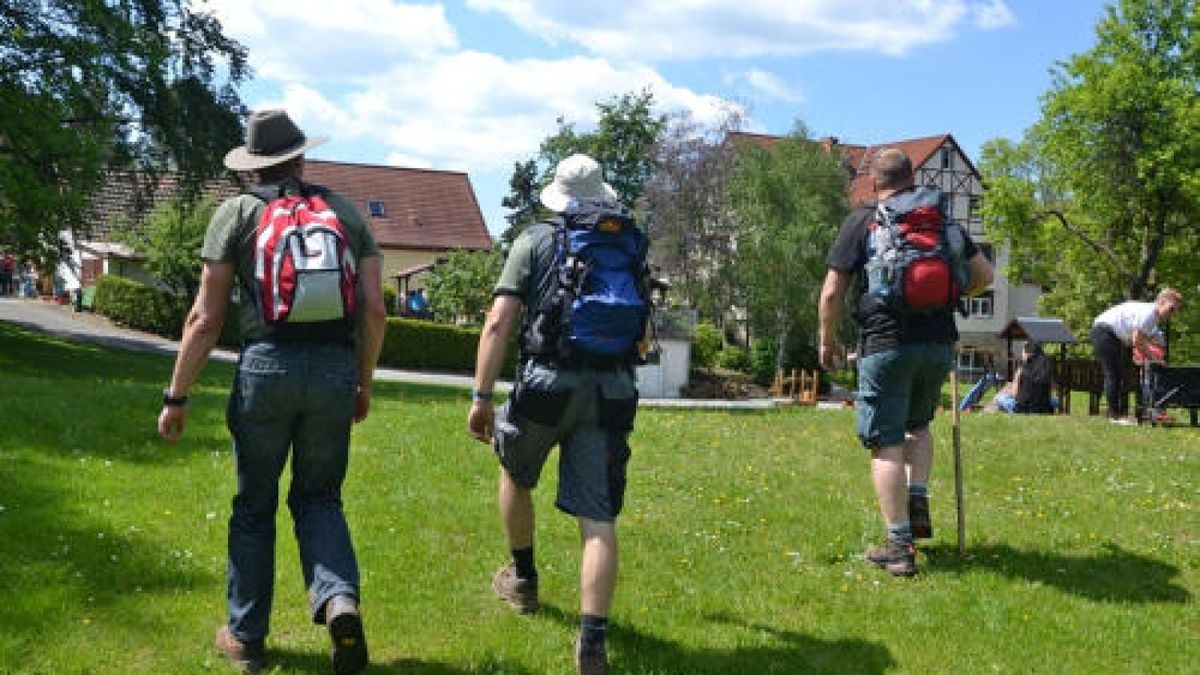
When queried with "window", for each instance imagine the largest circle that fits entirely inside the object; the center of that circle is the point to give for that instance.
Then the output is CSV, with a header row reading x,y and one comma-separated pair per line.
x,y
947,158
375,208
973,362
974,204
947,204
982,306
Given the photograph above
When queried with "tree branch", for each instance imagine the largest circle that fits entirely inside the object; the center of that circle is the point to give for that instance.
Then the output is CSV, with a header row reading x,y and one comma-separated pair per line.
x,y
1103,249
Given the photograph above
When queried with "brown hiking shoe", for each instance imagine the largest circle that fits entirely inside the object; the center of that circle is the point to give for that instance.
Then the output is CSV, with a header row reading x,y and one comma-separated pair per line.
x,y
592,661
346,630
522,594
918,517
899,560
249,657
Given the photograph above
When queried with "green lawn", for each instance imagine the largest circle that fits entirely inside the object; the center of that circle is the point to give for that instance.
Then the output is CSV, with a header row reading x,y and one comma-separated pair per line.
x,y
742,540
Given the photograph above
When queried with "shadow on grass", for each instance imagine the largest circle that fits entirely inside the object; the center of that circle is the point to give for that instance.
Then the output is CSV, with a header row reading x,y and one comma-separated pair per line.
x,y
308,662
78,399
69,561
633,651
1115,576
30,353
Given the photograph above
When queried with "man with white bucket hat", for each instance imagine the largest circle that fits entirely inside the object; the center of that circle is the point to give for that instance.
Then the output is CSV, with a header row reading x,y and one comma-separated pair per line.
x,y
583,402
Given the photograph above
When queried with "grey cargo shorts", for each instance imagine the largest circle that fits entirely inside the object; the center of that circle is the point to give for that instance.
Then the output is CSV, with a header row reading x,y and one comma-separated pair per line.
x,y
587,412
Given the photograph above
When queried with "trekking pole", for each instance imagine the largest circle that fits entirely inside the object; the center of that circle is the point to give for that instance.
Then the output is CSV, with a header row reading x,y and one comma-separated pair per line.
x,y
956,440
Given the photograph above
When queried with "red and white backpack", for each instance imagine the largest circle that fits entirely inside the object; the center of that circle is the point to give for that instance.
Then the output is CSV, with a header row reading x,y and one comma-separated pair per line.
x,y
304,267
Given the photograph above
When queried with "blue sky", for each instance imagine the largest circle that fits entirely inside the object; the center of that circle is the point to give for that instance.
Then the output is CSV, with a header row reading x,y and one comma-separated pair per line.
x,y
475,85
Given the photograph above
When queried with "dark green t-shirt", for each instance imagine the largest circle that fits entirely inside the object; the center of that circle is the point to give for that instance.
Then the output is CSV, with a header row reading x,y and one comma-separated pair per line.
x,y
529,269
230,238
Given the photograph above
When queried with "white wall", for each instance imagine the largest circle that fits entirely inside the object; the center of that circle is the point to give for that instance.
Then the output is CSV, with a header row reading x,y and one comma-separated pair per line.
x,y
666,378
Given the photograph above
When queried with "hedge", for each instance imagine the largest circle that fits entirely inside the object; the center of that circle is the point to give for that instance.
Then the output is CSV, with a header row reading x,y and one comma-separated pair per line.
x,y
139,306
410,343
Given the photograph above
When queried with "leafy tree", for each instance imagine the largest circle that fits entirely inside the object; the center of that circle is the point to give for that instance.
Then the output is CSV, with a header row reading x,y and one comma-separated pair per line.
x,y
788,203
1100,198
625,134
460,287
89,86
688,215
171,238
523,200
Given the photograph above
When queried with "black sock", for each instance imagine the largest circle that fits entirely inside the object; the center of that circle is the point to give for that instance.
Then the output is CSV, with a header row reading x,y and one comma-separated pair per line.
x,y
524,560
592,630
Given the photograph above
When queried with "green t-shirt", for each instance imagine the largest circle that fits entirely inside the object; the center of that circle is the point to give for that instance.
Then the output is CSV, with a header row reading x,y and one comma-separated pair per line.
x,y
230,238
528,270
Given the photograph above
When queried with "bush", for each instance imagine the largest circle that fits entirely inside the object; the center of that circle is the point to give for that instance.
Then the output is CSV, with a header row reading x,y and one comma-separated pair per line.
x,y
139,306
411,343
389,300
734,358
763,355
706,344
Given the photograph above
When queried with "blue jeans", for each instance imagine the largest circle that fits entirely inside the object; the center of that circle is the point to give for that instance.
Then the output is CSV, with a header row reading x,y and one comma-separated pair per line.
x,y
899,389
297,397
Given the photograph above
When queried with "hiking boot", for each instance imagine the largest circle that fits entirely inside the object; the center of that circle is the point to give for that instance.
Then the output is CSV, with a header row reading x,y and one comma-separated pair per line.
x,y
590,661
900,560
918,517
521,594
346,631
248,657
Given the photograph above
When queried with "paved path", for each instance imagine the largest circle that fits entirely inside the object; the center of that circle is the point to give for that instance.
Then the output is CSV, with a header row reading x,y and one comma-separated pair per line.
x,y
62,321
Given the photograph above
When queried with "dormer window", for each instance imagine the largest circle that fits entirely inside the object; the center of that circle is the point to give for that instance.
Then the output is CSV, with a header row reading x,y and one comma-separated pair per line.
x,y
375,208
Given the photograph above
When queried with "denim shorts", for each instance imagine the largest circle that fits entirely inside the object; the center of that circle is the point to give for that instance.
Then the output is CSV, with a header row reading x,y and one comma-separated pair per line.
x,y
589,414
898,391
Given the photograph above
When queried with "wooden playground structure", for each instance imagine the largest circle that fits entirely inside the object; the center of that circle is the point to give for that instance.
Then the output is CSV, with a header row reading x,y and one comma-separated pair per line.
x,y
800,386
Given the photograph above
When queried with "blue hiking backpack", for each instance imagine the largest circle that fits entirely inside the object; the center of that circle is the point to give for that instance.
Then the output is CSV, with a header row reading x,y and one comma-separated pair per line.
x,y
598,306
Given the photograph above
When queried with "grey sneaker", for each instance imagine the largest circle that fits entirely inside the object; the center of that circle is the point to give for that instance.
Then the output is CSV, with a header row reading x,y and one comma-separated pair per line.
x,y
346,631
899,560
918,517
592,661
521,594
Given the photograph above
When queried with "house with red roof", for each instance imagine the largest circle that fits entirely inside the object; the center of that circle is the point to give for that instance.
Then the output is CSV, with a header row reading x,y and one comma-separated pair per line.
x,y
939,162
417,216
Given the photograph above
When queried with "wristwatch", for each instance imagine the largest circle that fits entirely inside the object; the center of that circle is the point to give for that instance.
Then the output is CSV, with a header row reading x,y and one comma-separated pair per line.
x,y
481,395
173,401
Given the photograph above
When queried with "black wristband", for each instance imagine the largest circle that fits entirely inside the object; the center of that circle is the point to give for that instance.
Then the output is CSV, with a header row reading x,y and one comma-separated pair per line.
x,y
173,401
481,395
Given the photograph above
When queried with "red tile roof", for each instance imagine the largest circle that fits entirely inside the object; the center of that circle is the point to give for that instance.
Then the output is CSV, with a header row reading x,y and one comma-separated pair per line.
x,y
858,157
422,208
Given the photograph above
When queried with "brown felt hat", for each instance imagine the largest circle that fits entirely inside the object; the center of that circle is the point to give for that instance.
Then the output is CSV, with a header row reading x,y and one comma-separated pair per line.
x,y
271,138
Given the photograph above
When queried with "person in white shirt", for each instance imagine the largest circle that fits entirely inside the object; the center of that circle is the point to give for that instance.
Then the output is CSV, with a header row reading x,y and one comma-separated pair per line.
x,y
1122,328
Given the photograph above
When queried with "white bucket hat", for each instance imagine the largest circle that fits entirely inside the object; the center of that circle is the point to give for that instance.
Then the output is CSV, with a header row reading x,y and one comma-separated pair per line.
x,y
271,138
576,177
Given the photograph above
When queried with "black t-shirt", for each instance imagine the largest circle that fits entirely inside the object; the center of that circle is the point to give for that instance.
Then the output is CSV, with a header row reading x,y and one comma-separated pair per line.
x,y
879,328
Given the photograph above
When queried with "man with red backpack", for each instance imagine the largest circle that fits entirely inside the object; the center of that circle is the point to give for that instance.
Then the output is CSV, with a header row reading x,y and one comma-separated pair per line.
x,y
312,322
913,265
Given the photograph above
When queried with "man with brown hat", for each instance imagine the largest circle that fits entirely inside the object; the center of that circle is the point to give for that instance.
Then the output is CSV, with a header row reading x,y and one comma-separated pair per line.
x,y
584,405
310,345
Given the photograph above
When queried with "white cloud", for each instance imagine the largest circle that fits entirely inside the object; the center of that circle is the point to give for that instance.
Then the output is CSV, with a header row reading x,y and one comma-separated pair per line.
x,y
476,112
993,15
768,84
694,29
308,40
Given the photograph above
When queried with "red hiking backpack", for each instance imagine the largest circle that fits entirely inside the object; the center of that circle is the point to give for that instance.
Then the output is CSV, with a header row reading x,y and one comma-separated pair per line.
x,y
304,267
914,254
